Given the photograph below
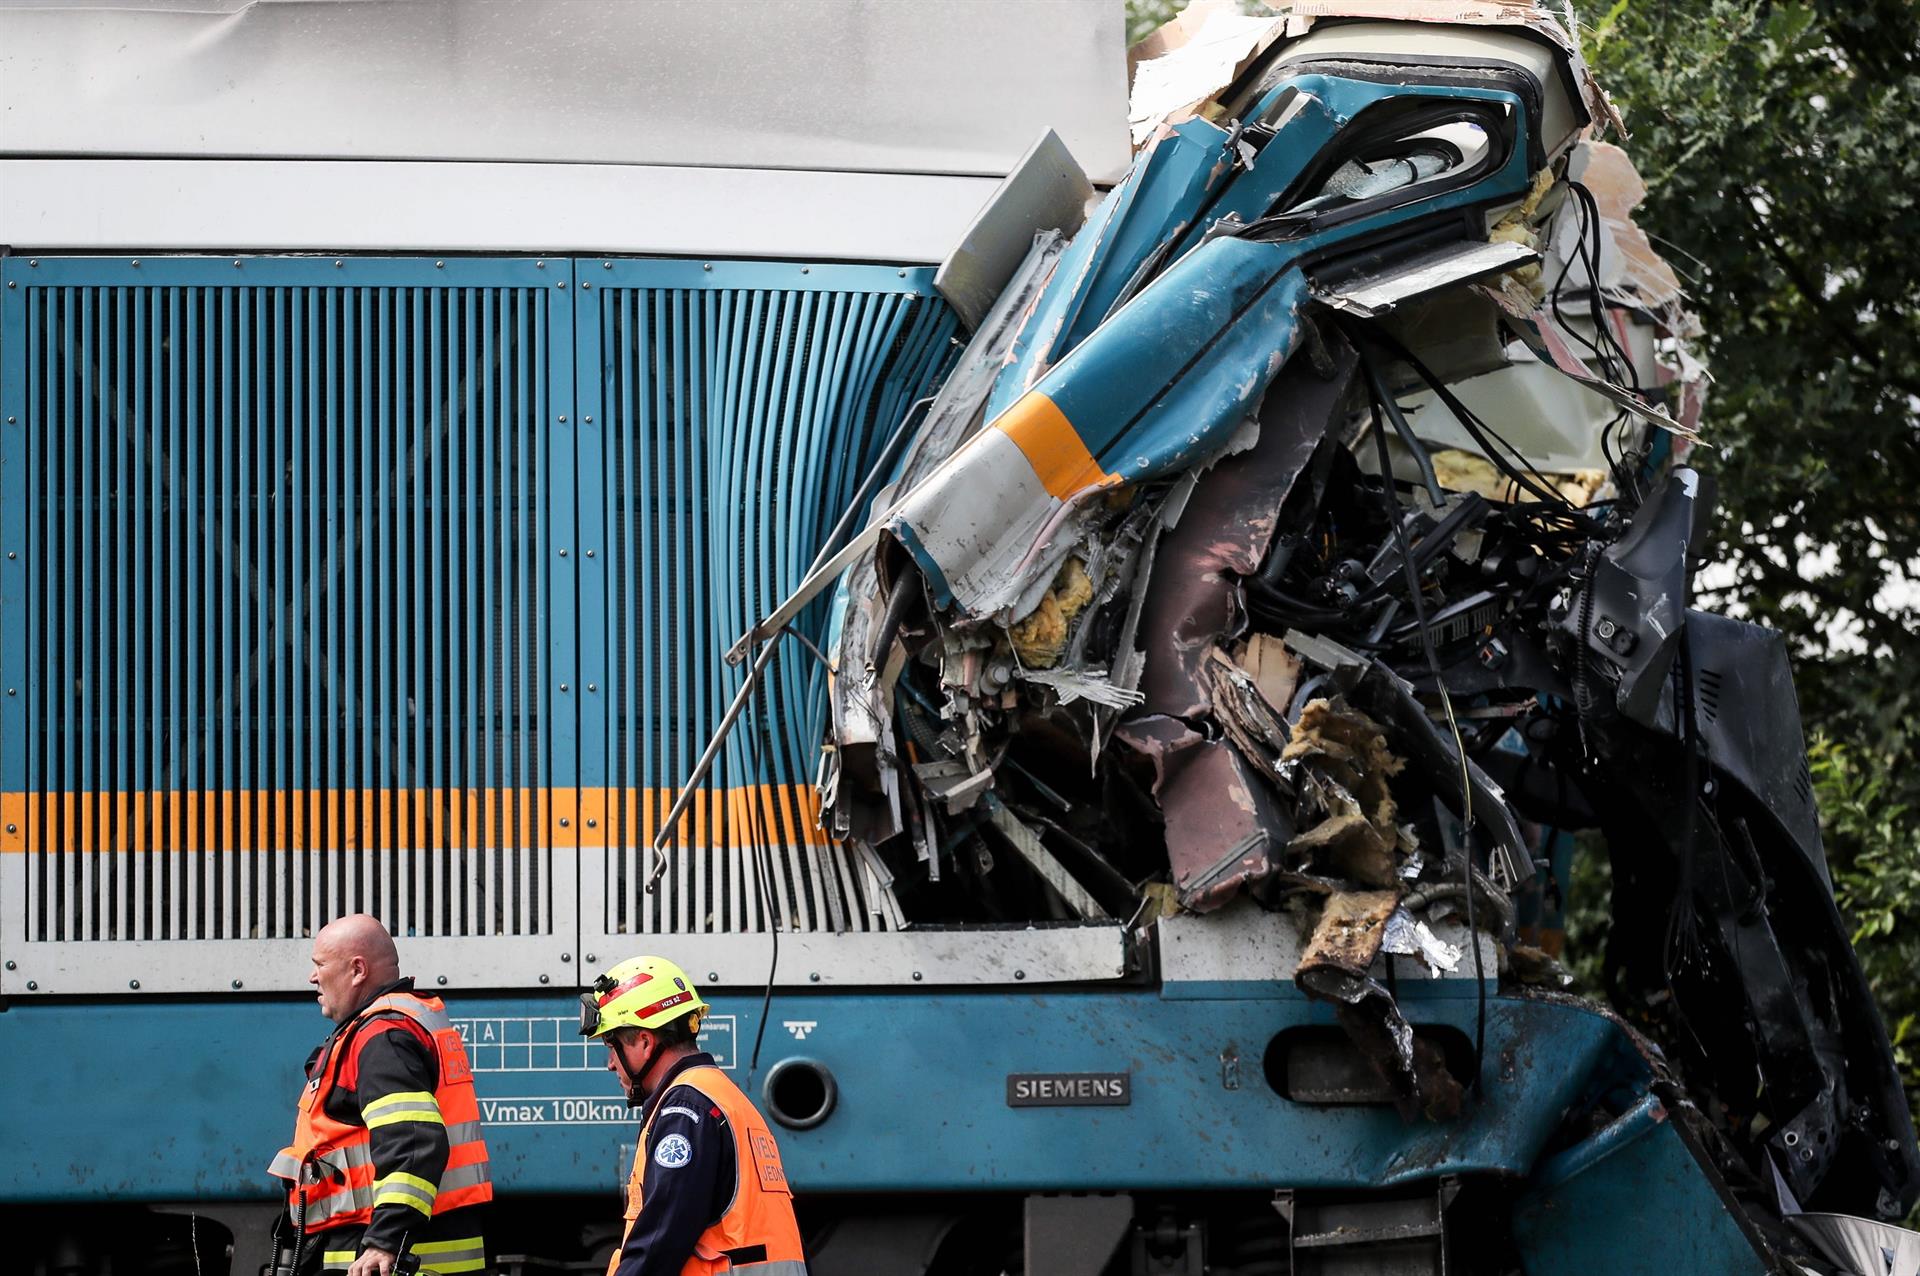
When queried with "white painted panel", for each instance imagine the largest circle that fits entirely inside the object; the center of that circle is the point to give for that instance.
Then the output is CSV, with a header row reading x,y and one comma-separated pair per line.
x,y
809,84
910,958
347,206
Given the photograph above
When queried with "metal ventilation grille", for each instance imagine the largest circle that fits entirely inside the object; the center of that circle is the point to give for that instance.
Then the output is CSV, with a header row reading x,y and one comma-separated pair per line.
x,y
743,405
284,601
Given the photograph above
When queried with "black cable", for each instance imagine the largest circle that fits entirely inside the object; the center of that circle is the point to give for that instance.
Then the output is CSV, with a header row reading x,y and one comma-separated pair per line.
x,y
808,643
1490,440
890,622
1593,279
763,856
1466,787
1628,374
1277,602
1616,363
300,1214
1383,401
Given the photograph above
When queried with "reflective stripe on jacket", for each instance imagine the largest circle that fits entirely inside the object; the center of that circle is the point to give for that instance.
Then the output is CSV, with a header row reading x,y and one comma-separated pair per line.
x,y
757,1234
330,1161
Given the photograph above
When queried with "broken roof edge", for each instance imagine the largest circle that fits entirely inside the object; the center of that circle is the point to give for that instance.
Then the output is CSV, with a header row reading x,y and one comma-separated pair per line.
x,y
1189,63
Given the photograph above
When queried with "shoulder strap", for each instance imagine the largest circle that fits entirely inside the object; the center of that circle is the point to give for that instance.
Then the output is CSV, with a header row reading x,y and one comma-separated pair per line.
x,y
402,1013
429,1012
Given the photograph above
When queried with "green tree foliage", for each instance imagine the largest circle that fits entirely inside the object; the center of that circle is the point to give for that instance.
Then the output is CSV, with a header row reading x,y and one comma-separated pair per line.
x,y
1781,147
1146,16
1869,820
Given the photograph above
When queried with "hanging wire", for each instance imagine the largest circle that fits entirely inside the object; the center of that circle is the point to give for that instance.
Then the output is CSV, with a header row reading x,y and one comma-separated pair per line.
x,y
1453,725
763,861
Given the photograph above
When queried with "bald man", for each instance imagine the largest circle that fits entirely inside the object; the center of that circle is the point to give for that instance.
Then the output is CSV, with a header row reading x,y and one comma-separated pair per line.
x,y
386,1156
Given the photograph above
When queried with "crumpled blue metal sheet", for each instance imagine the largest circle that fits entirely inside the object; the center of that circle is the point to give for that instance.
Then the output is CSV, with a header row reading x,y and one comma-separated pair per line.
x,y
1640,1167
1160,385
1169,183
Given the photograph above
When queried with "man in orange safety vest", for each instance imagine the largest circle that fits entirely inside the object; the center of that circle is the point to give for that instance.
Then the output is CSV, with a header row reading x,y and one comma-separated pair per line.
x,y
707,1194
386,1152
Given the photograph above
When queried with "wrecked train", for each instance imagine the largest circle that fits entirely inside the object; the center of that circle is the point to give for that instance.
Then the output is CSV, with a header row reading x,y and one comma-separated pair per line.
x,y
1318,561
1180,646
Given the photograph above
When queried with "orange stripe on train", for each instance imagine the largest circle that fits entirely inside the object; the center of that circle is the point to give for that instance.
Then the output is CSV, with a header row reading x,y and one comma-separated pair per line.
x,y
400,819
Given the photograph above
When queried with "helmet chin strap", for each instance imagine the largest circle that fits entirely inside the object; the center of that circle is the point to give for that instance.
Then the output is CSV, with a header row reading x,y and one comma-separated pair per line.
x,y
635,1083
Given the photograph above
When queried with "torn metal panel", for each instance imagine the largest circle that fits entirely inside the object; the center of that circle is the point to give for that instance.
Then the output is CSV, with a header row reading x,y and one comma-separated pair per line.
x,y
1225,826
954,416
1608,172
1156,388
1861,1246
1414,1068
1381,291
1046,191
1553,345
954,783
1318,645
1130,406
1193,601
1132,226
1425,21
1251,717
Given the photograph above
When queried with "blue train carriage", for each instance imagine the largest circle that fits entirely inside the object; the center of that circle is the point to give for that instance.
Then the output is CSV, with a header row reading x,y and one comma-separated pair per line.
x,y
379,534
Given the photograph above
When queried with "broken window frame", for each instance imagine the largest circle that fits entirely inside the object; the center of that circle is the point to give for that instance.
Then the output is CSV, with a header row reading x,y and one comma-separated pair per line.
x,y
1393,122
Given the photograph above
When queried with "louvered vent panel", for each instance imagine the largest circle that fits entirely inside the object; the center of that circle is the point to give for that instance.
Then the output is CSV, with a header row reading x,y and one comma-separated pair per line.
x,y
284,606
740,421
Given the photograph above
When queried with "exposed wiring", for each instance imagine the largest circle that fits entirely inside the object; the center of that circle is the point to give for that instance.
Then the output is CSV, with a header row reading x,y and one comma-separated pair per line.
x,y
1460,750
1616,364
1504,456
1383,401
813,648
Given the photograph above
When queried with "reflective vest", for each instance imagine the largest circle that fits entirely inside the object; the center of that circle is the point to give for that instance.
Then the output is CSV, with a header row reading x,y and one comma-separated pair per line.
x,y
757,1234
331,1162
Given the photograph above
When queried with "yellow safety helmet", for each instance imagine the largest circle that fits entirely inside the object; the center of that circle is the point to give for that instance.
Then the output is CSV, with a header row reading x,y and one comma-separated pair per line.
x,y
640,992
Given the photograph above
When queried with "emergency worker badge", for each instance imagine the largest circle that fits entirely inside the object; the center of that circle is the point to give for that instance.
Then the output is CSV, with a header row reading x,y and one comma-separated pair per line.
x,y
672,1152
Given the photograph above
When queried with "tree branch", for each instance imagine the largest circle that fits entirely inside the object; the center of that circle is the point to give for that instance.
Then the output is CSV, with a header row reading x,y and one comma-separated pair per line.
x,y
1816,300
